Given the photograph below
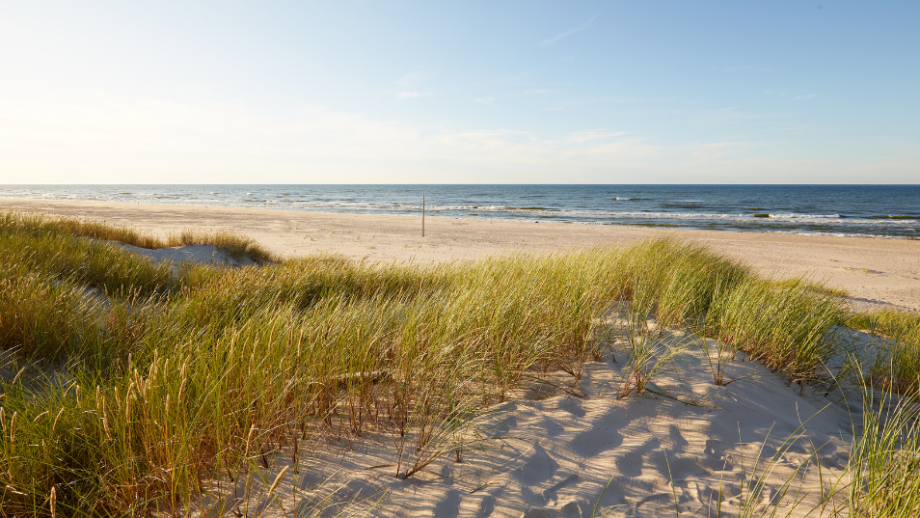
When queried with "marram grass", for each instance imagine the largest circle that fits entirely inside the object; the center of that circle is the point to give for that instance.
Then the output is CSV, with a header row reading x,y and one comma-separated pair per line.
x,y
40,224
139,383
899,369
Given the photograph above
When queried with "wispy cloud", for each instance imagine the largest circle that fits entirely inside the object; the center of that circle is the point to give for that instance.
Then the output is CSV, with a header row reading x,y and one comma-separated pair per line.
x,y
554,39
595,134
806,97
411,79
410,84
540,91
484,100
412,94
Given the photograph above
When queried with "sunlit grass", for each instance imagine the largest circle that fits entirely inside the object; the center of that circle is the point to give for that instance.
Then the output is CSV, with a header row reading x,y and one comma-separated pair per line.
x,y
884,464
898,369
800,282
234,244
40,224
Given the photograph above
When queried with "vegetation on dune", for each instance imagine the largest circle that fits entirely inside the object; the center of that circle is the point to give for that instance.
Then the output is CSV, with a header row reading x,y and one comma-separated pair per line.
x,y
131,398
233,244
43,225
885,458
899,369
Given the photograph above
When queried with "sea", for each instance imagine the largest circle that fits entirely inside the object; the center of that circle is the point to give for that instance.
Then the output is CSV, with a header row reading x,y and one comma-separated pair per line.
x,y
847,210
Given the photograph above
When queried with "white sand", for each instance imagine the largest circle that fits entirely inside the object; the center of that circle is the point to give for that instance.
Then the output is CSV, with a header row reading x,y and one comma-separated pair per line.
x,y
204,254
560,451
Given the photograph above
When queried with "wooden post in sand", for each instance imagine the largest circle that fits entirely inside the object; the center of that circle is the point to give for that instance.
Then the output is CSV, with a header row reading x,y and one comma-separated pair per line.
x,y
423,215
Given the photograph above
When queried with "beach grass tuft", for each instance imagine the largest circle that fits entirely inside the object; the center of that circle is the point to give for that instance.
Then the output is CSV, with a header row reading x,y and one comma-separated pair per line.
x,y
898,367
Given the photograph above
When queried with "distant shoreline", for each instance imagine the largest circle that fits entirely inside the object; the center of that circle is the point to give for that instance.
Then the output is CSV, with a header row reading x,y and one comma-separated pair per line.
x,y
875,271
835,210
743,229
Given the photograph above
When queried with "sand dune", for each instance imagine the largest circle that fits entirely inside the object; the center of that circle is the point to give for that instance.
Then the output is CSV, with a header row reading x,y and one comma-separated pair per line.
x,y
686,445
876,272
561,448
206,254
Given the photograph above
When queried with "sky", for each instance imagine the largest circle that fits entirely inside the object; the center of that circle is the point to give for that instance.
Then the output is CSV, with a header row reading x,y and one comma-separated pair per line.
x,y
610,92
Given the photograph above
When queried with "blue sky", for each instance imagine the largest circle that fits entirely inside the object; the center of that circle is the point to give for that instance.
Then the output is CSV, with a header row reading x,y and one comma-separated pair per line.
x,y
464,92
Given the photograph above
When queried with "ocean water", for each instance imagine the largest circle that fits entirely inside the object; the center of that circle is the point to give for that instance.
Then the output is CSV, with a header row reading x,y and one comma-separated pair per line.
x,y
875,210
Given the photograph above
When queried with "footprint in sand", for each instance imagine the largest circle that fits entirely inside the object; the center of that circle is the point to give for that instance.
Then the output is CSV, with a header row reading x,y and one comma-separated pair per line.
x,y
715,455
551,495
572,406
602,435
677,440
552,427
539,468
597,439
630,464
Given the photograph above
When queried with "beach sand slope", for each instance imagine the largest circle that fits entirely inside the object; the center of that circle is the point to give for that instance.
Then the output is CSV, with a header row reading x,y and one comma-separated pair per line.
x,y
559,449
876,272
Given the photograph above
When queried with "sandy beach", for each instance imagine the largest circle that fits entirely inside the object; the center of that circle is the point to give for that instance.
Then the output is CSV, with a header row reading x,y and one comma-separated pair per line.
x,y
560,446
876,272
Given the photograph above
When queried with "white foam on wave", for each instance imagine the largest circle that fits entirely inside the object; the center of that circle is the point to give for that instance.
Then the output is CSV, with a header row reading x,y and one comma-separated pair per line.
x,y
792,215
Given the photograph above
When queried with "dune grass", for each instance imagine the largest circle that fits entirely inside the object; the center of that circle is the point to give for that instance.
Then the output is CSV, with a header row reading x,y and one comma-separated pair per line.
x,y
40,224
899,368
234,244
135,400
800,282
884,461
42,319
